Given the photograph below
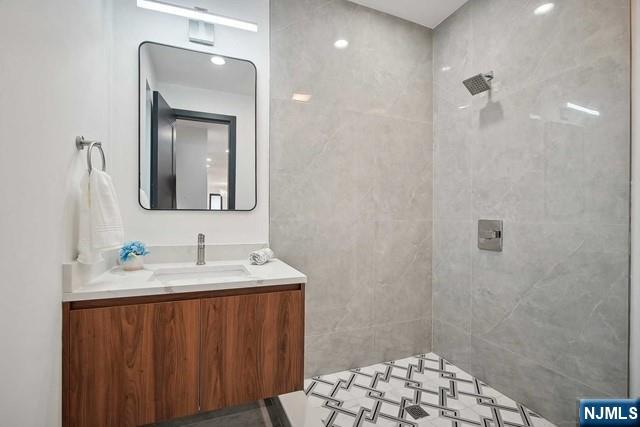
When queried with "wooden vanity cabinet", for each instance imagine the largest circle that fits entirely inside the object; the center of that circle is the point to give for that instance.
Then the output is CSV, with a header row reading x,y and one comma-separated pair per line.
x,y
252,347
136,361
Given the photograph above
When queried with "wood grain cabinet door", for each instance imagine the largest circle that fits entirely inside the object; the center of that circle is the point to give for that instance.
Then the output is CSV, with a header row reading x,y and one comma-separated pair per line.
x,y
134,364
252,347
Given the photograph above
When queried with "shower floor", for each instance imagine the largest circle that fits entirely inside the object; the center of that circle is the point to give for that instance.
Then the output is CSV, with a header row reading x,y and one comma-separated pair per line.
x,y
384,394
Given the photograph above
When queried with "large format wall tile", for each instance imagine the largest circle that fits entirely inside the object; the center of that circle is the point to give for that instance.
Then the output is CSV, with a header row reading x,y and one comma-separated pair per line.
x,y
352,177
332,352
402,271
528,382
568,318
452,273
546,319
453,343
452,162
394,340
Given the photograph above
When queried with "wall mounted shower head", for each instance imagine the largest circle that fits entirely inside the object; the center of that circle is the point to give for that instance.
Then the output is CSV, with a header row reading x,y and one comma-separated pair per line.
x,y
478,84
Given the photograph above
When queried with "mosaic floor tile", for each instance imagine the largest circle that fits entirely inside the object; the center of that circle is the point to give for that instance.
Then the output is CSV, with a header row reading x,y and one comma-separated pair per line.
x,y
377,395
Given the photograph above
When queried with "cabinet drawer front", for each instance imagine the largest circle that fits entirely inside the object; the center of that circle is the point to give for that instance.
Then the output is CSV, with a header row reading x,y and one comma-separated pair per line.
x,y
252,347
134,364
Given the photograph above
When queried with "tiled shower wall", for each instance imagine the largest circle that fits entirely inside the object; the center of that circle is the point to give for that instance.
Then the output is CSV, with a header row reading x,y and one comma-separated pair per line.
x,y
351,177
545,321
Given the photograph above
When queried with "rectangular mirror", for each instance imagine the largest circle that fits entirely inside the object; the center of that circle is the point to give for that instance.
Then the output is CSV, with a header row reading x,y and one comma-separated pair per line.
x,y
197,146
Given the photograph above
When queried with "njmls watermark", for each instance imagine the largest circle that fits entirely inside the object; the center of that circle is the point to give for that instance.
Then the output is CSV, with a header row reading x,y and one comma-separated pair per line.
x,y
610,412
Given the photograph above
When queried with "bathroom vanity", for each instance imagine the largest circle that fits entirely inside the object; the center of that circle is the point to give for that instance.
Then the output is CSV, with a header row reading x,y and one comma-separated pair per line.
x,y
178,339
174,340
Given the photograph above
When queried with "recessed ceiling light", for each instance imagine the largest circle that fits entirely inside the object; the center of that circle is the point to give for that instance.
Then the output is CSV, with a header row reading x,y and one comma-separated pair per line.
x,y
545,8
301,97
226,151
341,44
198,15
208,159
218,60
208,166
446,68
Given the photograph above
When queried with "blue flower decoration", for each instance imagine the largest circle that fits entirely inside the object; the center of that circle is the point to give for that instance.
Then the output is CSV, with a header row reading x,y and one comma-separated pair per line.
x,y
134,248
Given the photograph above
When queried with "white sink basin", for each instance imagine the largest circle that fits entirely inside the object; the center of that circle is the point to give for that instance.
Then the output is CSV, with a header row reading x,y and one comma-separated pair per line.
x,y
198,274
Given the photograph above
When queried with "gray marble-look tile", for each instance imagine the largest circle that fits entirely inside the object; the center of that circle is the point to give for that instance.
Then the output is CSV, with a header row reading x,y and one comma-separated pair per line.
x,y
286,12
355,165
402,271
334,352
453,242
507,163
568,321
564,190
315,174
452,162
500,279
396,340
351,171
588,30
598,354
452,55
300,132
402,169
545,391
318,194
339,292
553,300
414,100
452,343
305,60
305,48
524,139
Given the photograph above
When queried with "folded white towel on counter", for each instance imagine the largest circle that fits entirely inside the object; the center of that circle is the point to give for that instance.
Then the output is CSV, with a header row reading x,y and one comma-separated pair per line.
x,y
100,220
260,257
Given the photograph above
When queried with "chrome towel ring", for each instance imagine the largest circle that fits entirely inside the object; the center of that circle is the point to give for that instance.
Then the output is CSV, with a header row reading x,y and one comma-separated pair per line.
x,y
81,143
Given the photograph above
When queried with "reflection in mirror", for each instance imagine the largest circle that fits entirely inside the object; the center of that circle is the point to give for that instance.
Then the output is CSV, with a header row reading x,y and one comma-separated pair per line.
x,y
197,130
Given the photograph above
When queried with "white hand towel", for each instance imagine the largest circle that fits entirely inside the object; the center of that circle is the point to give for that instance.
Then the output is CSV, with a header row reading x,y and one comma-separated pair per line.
x,y
260,257
86,255
100,219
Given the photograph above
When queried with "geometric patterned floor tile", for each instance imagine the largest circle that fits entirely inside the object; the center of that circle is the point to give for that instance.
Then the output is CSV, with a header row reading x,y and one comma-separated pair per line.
x,y
378,395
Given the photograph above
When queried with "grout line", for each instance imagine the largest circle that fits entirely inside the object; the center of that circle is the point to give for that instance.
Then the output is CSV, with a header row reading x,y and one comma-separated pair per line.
x,y
357,112
372,326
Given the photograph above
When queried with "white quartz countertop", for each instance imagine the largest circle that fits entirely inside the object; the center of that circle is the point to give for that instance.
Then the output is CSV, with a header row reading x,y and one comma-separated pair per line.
x,y
117,283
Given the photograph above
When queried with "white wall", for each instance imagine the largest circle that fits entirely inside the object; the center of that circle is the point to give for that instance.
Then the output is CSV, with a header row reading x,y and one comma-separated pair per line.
x,y
634,357
147,77
54,83
133,26
191,167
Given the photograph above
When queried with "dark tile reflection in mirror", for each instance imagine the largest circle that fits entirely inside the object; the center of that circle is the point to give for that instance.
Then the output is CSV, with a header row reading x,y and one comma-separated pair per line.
x,y
197,130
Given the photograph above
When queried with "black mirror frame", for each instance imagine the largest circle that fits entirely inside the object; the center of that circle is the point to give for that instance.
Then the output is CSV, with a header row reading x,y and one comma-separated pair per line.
x,y
255,126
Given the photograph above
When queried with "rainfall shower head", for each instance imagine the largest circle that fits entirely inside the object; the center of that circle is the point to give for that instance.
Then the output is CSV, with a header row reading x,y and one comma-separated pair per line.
x,y
478,84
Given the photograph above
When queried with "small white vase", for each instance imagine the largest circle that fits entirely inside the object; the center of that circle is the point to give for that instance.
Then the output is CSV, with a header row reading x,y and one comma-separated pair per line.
x,y
134,263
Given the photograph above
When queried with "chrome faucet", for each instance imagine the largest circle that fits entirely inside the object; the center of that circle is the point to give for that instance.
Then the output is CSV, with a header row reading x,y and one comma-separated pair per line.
x,y
200,260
